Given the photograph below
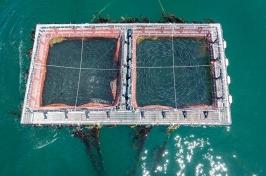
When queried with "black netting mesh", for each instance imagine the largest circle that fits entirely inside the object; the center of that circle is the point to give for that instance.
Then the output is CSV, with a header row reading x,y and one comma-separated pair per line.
x,y
66,53
155,75
95,86
61,82
193,86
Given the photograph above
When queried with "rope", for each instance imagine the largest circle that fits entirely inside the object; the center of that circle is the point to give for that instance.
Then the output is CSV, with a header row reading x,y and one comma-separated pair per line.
x,y
176,66
173,66
81,53
85,68
91,68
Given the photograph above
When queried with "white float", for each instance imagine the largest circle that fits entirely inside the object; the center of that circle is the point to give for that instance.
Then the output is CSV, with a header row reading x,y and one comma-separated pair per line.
x,y
225,44
226,62
228,80
230,99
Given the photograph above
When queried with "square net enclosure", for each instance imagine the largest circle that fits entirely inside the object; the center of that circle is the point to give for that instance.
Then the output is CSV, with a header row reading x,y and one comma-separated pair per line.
x,y
173,72
81,72
128,74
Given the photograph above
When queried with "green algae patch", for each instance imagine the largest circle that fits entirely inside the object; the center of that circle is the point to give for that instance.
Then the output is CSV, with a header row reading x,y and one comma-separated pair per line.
x,y
141,39
56,40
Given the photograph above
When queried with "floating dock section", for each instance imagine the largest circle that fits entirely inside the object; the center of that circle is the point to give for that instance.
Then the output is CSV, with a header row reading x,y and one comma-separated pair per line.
x,y
125,110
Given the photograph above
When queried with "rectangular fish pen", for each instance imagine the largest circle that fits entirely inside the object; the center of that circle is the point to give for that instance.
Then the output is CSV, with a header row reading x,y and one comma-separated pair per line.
x,y
128,74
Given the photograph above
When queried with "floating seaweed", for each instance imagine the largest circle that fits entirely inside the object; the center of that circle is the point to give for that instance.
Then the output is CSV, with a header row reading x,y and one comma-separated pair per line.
x,y
32,35
141,133
15,113
144,19
171,129
141,19
166,17
29,53
142,38
171,18
26,74
97,15
129,20
56,40
101,19
208,20
90,138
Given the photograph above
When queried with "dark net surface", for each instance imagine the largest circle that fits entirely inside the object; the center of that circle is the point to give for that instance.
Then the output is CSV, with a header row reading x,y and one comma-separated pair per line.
x,y
98,70
190,81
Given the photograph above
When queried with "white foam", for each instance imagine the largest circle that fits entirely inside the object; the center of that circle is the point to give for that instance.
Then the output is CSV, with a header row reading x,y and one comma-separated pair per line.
x,y
20,56
46,143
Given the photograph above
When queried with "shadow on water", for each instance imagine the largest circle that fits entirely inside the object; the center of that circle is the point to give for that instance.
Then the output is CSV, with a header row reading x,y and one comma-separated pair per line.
x,y
156,162
15,113
158,155
139,138
141,133
90,138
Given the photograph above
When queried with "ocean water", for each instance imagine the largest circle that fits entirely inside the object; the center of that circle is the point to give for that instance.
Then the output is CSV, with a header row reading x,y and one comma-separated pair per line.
x,y
236,150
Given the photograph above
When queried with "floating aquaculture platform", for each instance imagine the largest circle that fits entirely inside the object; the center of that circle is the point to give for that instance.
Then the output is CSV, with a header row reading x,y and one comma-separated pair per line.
x,y
128,74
